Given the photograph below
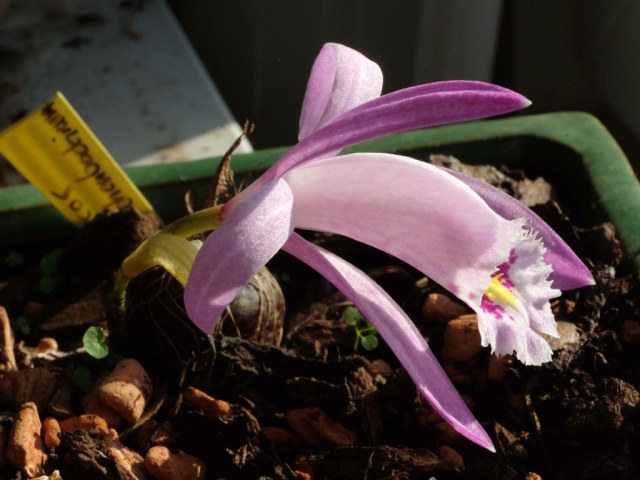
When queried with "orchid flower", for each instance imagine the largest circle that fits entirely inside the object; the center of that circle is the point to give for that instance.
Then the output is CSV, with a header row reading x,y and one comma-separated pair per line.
x,y
498,258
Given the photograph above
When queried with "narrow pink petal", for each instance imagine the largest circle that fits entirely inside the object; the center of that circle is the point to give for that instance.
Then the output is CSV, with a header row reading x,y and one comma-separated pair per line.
x,y
568,270
341,79
416,107
399,333
436,87
247,238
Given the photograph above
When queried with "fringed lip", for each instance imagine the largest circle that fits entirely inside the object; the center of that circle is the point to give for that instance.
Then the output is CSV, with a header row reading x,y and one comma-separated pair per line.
x,y
514,310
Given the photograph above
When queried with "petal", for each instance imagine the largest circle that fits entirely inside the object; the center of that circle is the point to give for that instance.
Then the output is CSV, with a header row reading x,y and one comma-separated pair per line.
x,y
568,270
341,79
247,238
439,87
410,209
417,107
399,333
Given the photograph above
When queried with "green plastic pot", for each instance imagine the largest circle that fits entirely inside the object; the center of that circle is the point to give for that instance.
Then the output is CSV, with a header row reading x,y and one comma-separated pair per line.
x,y
574,151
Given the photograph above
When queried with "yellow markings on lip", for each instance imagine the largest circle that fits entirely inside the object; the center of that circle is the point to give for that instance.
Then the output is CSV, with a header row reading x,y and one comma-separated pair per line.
x,y
499,293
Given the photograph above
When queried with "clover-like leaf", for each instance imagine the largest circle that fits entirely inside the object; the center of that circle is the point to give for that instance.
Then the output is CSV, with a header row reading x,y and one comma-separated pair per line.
x,y
94,342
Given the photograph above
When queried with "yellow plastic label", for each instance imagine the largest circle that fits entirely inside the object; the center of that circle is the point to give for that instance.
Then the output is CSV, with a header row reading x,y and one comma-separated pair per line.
x,y
57,152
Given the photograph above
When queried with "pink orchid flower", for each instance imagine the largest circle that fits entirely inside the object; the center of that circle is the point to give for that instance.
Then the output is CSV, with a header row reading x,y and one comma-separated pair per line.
x,y
489,253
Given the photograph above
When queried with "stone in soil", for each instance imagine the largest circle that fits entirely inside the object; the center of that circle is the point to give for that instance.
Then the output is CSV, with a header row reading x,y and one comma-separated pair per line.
x,y
92,404
25,451
51,432
439,308
208,405
47,345
7,342
316,428
630,331
379,367
165,465
462,339
532,476
127,389
87,422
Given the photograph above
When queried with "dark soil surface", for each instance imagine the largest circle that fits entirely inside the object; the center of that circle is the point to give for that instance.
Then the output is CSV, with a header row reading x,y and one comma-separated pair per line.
x,y
313,406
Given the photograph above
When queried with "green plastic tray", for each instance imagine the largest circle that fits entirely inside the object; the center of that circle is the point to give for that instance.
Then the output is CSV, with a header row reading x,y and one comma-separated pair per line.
x,y
574,151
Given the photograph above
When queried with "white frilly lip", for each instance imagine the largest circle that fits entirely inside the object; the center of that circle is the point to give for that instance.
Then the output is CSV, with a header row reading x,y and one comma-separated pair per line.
x,y
517,330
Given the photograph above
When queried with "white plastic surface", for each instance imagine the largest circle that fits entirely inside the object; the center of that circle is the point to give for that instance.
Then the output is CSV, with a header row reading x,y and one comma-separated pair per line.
x,y
127,68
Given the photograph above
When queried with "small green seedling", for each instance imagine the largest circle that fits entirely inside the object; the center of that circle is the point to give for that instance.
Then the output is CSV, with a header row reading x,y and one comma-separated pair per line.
x,y
365,335
94,342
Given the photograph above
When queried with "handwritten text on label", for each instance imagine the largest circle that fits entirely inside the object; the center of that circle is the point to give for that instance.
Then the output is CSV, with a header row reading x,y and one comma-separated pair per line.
x,y
91,169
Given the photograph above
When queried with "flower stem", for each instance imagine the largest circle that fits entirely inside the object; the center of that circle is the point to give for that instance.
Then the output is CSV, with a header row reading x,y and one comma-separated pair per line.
x,y
170,247
196,223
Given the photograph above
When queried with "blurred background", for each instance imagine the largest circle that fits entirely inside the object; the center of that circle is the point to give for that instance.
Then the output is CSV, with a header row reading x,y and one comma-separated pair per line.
x,y
165,80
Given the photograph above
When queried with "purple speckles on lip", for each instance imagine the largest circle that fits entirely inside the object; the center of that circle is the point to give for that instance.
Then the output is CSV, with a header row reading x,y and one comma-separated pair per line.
x,y
491,307
503,269
501,291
